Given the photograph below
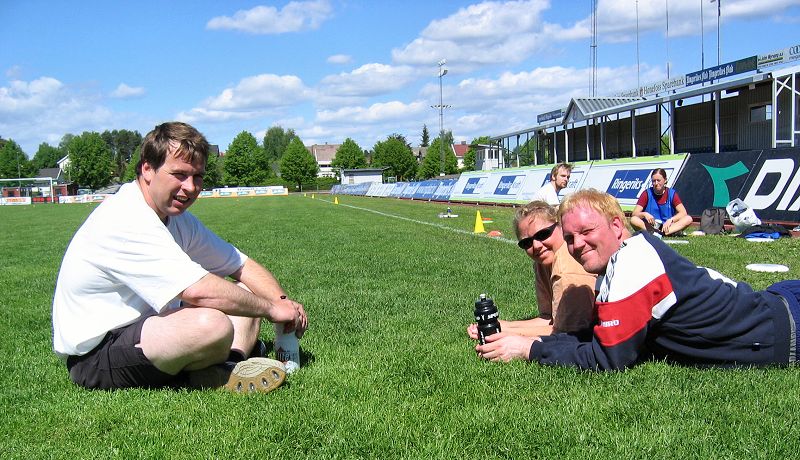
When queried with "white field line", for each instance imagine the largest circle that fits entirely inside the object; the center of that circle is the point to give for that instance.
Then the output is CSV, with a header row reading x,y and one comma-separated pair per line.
x,y
443,227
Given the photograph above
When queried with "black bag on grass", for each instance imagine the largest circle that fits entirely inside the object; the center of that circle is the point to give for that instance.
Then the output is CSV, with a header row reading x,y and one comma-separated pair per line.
x,y
712,221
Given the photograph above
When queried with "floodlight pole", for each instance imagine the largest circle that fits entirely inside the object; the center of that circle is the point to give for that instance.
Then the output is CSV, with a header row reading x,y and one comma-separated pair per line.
x,y
441,106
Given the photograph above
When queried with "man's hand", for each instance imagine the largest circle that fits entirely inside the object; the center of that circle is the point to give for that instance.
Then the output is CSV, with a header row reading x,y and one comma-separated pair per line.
x,y
472,331
647,217
291,314
503,346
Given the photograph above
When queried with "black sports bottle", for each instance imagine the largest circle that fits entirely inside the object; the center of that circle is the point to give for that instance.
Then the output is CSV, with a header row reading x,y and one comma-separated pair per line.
x,y
487,317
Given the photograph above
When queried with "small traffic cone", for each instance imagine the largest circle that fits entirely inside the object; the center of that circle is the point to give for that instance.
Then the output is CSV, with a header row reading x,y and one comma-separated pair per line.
x,y
312,196
336,200
305,194
479,224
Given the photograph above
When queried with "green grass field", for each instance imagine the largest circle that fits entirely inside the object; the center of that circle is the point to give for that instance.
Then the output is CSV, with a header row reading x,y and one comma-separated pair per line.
x,y
388,369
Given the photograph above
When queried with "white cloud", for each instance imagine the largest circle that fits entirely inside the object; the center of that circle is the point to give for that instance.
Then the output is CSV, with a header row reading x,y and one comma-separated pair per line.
x,y
368,80
14,72
45,109
124,91
294,17
260,92
616,21
376,113
489,33
204,115
340,59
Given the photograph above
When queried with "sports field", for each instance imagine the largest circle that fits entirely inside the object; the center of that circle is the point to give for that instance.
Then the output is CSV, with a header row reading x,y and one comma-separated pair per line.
x,y
388,369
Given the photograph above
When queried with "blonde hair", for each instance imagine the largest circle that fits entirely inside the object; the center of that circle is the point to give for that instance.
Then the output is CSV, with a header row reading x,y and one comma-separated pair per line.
x,y
605,204
554,171
535,209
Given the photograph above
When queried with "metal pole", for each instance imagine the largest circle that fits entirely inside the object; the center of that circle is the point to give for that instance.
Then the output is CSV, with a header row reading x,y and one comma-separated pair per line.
x,y
442,73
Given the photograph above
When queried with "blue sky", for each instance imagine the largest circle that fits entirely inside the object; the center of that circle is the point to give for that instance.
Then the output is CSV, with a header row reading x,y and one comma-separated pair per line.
x,y
333,69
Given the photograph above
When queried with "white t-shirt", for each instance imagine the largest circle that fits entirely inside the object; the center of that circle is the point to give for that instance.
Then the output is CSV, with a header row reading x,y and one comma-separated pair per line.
x,y
547,194
124,262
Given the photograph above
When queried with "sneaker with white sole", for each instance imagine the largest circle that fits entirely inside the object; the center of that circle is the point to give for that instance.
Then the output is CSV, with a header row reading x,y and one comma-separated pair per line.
x,y
254,375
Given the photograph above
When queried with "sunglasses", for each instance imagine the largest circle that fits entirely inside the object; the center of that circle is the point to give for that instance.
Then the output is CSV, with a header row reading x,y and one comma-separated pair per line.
x,y
541,235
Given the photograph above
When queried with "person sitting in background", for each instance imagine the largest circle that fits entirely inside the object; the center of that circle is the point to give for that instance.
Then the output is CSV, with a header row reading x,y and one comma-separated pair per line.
x,y
564,290
559,179
659,209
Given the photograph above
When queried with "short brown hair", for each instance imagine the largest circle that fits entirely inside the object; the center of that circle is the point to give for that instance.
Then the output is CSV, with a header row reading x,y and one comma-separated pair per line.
x,y
534,209
191,145
605,204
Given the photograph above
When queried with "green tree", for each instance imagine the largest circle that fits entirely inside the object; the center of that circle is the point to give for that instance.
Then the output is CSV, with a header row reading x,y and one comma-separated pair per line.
x,y
525,151
46,156
432,163
122,144
469,161
469,157
297,164
213,175
130,168
664,149
396,156
242,161
426,137
65,140
276,140
13,162
349,156
90,161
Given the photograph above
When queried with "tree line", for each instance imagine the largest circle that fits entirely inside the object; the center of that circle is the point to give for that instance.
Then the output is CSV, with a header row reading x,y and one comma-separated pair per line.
x,y
99,159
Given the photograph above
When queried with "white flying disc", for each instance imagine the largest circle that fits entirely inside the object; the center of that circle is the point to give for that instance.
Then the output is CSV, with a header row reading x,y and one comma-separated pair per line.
x,y
758,239
770,268
676,241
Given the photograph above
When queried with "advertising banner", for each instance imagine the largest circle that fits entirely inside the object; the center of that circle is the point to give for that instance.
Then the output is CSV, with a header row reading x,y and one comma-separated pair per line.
x,y
444,190
627,179
15,200
767,180
397,192
410,190
426,189
469,186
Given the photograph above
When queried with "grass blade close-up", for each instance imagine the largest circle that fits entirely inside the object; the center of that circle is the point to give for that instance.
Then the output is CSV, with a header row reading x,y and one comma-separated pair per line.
x,y
387,368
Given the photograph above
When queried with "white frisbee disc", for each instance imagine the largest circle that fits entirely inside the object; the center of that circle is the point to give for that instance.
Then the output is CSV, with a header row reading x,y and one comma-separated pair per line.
x,y
770,268
758,239
676,241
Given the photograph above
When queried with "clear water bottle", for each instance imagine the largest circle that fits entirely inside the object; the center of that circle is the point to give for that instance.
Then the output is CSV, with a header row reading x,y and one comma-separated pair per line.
x,y
287,348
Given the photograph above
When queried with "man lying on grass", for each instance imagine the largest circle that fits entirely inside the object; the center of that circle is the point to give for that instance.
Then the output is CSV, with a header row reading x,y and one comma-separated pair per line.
x,y
654,304
141,298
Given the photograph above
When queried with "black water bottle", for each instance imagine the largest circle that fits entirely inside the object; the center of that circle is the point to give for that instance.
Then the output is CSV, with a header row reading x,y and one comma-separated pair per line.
x,y
487,317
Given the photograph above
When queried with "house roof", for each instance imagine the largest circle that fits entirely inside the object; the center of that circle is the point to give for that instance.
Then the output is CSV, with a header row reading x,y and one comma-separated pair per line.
x,y
324,152
460,149
55,173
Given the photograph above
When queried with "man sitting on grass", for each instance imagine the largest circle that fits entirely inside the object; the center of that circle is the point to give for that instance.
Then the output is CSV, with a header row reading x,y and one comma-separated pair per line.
x,y
141,298
654,304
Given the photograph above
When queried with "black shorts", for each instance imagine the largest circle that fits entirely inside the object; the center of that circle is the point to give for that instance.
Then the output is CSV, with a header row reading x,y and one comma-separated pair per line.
x,y
117,362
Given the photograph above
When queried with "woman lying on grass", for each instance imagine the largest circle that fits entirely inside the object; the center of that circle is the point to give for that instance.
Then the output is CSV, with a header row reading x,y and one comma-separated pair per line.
x,y
564,290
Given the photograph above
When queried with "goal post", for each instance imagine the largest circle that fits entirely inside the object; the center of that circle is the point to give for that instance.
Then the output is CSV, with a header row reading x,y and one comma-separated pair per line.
x,y
29,184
